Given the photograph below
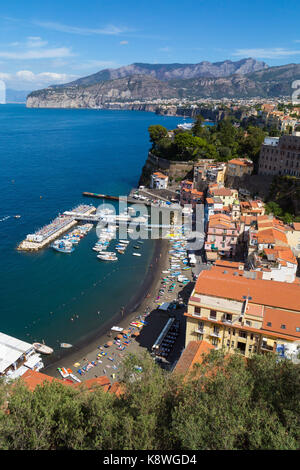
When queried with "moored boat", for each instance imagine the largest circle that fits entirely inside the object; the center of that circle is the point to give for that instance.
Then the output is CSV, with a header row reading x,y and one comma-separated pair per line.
x,y
42,348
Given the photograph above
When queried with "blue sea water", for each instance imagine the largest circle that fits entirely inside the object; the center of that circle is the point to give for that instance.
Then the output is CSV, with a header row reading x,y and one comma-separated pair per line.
x,y
48,158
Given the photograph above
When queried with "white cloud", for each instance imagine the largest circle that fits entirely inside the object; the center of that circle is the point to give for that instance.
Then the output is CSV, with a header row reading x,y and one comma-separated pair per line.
x,y
28,80
38,54
266,53
123,43
107,30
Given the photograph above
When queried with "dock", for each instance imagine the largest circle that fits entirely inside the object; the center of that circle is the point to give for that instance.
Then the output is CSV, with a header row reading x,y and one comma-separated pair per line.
x,y
63,223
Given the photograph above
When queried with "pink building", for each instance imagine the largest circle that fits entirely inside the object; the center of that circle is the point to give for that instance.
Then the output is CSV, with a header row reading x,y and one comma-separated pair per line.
x,y
222,237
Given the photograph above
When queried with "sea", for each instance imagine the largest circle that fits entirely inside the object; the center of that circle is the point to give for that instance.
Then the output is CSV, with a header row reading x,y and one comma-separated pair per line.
x,y
48,157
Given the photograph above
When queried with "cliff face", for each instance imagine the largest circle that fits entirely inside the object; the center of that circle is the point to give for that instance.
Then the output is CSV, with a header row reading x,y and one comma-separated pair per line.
x,y
102,94
113,94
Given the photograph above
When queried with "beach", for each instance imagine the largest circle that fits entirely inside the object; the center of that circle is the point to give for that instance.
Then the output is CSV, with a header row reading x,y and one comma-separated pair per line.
x,y
143,307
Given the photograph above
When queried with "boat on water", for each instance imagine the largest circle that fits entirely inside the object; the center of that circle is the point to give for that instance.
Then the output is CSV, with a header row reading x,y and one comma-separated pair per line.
x,y
106,257
42,348
65,345
63,246
75,378
63,372
17,216
136,254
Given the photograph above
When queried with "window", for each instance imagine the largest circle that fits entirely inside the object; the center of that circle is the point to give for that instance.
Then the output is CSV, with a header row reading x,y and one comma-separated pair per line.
x,y
269,323
242,334
298,328
248,323
214,341
213,314
283,327
197,310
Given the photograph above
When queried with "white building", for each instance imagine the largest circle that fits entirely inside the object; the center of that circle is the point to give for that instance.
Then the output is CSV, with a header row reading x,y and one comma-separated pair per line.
x,y
159,181
17,356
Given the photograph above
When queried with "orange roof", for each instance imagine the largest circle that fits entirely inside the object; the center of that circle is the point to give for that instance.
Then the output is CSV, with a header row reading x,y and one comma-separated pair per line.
x,y
117,389
192,354
33,378
271,235
281,322
270,293
160,175
296,226
242,162
228,264
222,192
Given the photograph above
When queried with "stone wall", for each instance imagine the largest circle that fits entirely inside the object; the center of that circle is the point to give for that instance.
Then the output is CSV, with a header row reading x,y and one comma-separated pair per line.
x,y
173,169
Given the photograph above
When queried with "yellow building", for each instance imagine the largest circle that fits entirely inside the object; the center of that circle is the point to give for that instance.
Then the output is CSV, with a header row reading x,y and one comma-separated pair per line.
x,y
228,196
233,312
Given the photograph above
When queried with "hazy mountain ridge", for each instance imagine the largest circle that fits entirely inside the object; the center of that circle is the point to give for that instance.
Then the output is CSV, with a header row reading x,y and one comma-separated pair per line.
x,y
167,72
268,83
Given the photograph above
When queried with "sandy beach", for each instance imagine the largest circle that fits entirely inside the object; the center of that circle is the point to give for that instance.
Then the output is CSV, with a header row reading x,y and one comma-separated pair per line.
x,y
142,307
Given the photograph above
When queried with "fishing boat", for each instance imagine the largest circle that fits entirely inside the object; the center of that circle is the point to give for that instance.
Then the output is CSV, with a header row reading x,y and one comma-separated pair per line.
x,y
65,345
63,246
75,378
42,348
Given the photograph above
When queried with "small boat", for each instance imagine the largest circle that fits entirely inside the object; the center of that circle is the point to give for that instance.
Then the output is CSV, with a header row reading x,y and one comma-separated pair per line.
x,y
17,216
75,378
65,345
42,348
63,246
136,254
63,372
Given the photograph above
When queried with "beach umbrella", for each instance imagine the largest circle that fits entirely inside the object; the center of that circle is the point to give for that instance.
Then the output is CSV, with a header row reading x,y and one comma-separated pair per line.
x,y
125,332
136,333
119,336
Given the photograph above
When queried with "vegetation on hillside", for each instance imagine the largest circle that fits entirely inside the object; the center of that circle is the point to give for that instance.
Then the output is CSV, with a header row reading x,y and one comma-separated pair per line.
x,y
284,198
221,142
225,403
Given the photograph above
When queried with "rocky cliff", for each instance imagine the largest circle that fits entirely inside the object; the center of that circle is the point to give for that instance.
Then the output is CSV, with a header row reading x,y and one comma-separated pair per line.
x,y
121,92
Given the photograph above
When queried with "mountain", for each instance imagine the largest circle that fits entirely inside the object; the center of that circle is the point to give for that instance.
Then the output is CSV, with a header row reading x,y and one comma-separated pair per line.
x,y
166,72
137,87
267,83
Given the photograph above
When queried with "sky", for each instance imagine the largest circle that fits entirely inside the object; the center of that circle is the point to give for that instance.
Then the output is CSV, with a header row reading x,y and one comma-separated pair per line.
x,y
43,43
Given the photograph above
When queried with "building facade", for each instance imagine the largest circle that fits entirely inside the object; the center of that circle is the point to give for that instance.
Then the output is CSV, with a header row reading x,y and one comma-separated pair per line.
x,y
280,156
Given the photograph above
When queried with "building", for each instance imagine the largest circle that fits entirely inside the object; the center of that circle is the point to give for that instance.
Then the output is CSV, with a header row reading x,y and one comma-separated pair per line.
x,y
159,181
208,171
239,167
280,156
233,312
17,356
293,238
189,195
193,354
222,237
227,195
252,208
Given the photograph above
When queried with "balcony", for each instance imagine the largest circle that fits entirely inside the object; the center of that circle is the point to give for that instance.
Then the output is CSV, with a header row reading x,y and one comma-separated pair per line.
x,y
199,331
215,334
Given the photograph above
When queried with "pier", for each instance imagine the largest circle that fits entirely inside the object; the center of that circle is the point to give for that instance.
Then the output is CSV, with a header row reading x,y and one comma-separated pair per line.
x,y
42,237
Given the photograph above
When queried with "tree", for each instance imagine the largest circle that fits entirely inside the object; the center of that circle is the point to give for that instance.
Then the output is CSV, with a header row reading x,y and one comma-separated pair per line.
x,y
156,133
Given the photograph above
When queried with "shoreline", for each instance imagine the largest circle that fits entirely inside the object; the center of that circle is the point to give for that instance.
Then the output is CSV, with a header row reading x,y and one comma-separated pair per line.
x,y
136,304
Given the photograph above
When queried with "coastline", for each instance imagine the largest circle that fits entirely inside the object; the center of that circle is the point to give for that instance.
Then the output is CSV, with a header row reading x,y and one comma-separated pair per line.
x,y
135,306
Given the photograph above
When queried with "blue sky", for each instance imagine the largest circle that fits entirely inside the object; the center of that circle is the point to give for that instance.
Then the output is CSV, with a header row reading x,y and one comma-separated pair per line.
x,y
54,42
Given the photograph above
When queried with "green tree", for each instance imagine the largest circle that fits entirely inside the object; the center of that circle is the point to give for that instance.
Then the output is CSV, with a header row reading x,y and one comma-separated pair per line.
x,y
156,133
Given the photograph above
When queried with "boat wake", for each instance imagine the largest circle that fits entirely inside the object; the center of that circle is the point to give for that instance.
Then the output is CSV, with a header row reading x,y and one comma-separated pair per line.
x,y
5,218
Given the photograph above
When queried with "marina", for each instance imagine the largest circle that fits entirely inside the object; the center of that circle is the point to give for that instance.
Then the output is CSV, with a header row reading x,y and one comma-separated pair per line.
x,y
55,229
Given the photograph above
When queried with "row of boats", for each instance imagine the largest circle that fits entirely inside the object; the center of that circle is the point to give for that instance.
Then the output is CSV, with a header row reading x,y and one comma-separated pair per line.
x,y
66,244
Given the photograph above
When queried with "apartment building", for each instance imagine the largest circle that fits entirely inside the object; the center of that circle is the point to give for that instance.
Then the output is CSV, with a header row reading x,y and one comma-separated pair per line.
x,y
239,167
231,311
280,156
222,237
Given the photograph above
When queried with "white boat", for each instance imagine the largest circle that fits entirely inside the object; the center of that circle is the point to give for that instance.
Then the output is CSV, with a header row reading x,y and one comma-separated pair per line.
x,y
65,345
107,257
42,348
136,254
75,378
